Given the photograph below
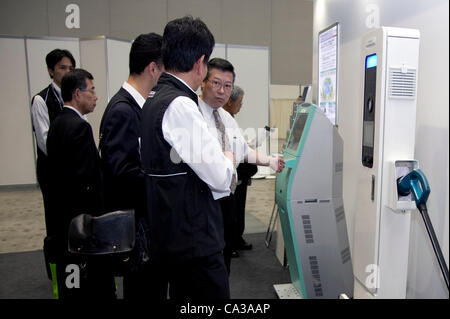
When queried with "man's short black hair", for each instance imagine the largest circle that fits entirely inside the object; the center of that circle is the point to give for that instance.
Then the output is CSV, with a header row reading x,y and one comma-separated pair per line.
x,y
55,56
185,40
146,48
75,79
220,64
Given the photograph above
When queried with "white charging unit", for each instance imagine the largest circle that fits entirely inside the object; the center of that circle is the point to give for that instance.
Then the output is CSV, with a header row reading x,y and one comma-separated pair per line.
x,y
389,64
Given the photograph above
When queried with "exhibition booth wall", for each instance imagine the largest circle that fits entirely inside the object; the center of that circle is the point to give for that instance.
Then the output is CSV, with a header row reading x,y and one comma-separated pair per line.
x,y
23,59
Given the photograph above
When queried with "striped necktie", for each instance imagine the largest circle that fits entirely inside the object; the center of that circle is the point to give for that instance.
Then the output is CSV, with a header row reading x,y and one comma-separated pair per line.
x,y
226,147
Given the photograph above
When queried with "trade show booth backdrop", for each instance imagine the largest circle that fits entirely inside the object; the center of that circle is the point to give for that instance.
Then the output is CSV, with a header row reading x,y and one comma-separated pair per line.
x,y
23,60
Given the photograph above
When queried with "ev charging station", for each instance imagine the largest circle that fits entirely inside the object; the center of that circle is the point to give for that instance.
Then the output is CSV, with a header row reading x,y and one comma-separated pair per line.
x,y
311,209
390,184
390,60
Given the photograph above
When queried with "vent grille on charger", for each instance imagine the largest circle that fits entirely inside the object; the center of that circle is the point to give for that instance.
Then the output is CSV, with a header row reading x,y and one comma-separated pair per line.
x,y
402,83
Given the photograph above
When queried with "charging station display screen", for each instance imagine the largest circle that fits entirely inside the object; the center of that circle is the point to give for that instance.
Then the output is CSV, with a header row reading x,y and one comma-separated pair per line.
x,y
371,61
297,131
370,79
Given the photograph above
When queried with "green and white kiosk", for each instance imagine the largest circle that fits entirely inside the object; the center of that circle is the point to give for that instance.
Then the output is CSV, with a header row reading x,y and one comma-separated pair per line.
x,y
311,208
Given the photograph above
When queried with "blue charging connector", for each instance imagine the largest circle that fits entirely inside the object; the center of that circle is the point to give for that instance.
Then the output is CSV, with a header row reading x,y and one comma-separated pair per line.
x,y
415,182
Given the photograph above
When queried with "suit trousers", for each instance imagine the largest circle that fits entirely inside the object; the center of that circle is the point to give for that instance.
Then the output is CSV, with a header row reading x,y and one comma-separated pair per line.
x,y
228,206
198,278
241,196
201,278
147,283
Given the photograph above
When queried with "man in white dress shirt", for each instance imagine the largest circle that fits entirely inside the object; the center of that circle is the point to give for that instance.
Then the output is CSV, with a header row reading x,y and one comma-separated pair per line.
x,y
185,170
216,90
45,107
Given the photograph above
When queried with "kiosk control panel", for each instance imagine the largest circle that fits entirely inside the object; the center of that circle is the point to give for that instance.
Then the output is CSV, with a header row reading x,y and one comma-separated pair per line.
x,y
311,210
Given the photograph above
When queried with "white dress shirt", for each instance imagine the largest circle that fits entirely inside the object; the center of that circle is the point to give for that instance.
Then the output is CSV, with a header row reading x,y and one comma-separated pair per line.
x,y
76,111
185,129
237,141
40,118
140,100
238,144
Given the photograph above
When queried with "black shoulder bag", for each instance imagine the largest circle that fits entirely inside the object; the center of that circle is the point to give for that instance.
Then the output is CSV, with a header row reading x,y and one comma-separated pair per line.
x,y
110,239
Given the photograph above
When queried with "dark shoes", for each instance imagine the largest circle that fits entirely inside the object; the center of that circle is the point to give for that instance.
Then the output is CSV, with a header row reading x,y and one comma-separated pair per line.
x,y
243,245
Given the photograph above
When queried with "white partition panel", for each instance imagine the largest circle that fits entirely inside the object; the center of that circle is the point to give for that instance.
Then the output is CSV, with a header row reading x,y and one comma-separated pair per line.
x,y
93,57
16,140
117,53
37,49
251,65
108,61
219,51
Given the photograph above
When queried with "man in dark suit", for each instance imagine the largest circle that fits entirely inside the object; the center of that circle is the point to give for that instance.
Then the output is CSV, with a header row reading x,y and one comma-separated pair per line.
x,y
75,187
245,171
120,134
120,126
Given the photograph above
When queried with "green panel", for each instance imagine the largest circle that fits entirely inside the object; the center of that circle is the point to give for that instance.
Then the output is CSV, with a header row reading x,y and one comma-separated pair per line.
x,y
281,184
283,198
291,251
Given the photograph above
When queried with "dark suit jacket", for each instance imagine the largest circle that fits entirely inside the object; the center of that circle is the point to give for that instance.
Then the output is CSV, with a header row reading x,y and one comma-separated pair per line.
x,y
75,181
120,130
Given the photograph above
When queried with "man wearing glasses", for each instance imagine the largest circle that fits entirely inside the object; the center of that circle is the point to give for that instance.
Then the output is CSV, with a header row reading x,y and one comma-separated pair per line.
x,y
216,90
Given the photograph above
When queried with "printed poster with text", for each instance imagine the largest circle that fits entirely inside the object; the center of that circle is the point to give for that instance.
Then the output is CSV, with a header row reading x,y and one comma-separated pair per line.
x,y
327,82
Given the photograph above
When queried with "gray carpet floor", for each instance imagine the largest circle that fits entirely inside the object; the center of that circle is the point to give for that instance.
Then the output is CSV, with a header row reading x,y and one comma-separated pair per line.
x,y
253,274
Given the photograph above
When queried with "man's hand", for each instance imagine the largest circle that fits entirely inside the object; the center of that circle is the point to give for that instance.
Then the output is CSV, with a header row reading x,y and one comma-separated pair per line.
x,y
277,164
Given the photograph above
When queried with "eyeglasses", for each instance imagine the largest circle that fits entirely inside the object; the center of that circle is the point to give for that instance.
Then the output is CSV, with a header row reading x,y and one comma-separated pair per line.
x,y
89,90
217,85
